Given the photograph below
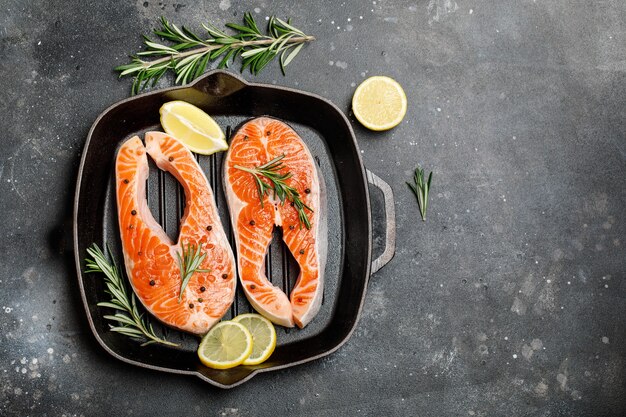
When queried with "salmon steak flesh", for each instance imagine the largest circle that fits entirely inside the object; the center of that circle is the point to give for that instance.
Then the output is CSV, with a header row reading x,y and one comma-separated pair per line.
x,y
151,258
254,215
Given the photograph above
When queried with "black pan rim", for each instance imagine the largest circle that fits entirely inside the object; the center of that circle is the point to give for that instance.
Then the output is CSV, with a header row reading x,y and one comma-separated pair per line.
x,y
77,258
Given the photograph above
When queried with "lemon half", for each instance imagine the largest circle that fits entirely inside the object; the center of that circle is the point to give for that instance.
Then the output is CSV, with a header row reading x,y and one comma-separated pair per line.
x,y
226,345
379,103
193,127
263,336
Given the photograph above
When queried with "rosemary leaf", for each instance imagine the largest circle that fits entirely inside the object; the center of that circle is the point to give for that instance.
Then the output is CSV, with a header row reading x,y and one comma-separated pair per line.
x,y
130,321
188,54
292,55
421,190
278,186
189,263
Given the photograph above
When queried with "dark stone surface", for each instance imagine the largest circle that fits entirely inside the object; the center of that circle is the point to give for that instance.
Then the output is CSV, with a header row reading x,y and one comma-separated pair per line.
x,y
510,298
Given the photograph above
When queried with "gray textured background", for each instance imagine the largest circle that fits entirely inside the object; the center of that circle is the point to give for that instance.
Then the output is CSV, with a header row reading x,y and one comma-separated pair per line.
x,y
508,301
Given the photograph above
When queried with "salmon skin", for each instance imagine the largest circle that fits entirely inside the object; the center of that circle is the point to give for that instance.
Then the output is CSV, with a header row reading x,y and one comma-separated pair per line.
x,y
257,142
150,256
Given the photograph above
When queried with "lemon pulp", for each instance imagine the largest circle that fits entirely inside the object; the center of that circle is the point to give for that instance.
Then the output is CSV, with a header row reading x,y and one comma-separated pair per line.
x,y
379,103
226,345
263,336
193,127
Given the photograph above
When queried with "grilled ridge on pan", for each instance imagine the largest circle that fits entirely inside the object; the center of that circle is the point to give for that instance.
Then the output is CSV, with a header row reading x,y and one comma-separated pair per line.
x,y
150,256
254,217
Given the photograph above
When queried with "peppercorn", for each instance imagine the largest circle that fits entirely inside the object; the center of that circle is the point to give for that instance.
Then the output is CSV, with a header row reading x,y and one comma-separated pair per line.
x,y
152,283
252,287
252,222
307,190
131,226
171,158
202,289
190,305
133,212
200,300
301,251
126,181
209,228
291,227
224,276
245,137
268,133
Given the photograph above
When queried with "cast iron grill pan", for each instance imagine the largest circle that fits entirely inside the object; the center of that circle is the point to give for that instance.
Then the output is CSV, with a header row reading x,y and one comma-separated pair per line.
x,y
232,102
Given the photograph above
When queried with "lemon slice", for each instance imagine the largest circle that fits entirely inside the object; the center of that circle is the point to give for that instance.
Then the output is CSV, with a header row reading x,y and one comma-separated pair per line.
x,y
193,127
225,346
263,335
379,103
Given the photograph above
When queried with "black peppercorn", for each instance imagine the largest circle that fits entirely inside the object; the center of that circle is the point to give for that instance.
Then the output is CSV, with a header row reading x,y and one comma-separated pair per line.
x,y
140,253
200,300
190,305
126,181
301,251
131,226
292,204
268,133
152,283
202,289
252,287
252,222
245,137
133,212
292,227
307,190
209,228
171,158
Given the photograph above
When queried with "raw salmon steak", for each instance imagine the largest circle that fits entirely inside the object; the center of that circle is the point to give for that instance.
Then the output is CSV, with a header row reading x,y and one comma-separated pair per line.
x,y
150,256
257,142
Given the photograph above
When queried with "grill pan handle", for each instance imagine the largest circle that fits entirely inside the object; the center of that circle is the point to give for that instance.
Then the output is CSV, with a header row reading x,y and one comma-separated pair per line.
x,y
219,83
390,221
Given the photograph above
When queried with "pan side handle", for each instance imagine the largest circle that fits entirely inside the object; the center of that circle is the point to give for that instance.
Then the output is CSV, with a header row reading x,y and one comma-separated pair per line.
x,y
390,221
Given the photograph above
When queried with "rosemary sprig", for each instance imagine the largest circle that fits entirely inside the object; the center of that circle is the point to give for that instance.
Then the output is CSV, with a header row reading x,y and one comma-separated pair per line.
x,y
189,263
130,321
421,189
270,170
188,54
